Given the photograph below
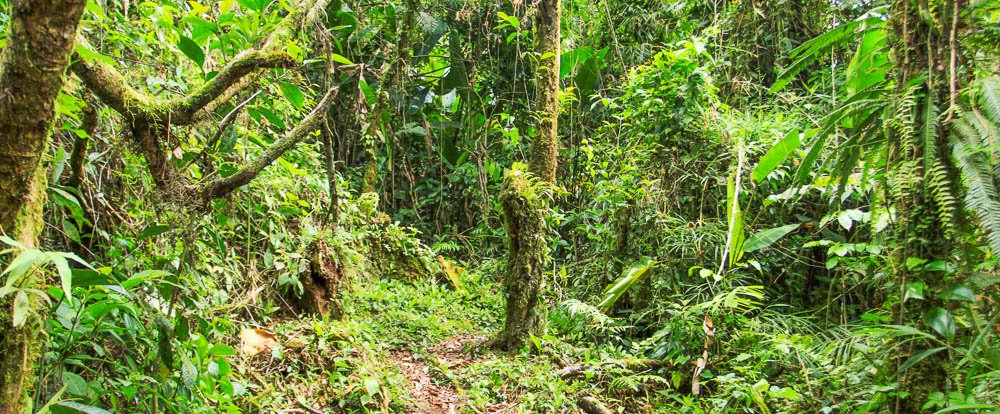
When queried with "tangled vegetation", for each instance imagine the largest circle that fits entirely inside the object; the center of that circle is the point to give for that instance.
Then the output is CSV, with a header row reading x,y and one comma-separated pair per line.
x,y
414,206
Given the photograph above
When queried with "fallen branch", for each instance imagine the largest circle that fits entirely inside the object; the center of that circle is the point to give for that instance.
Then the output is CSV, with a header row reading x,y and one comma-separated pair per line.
x,y
591,405
577,371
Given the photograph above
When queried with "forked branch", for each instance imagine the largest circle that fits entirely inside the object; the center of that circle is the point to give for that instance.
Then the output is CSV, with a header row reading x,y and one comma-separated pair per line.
x,y
312,122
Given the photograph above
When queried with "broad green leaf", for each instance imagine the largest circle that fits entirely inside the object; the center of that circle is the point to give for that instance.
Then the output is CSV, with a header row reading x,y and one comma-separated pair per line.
x,y
293,94
75,407
914,290
200,28
371,386
75,384
11,242
23,262
71,231
370,95
632,274
88,55
21,308
153,230
868,66
255,5
222,350
913,360
940,321
192,50
340,59
65,275
570,60
143,276
776,155
54,399
914,263
959,292
765,238
511,20
936,266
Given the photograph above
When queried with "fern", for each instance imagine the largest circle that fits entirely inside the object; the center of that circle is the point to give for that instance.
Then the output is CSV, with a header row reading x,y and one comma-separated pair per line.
x,y
595,321
863,107
974,145
939,182
989,99
636,381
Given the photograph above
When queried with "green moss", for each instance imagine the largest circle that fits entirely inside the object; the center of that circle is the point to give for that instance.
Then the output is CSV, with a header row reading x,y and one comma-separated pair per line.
x,y
524,201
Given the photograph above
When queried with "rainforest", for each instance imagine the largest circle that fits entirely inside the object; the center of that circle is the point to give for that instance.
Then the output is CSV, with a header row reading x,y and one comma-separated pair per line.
x,y
499,206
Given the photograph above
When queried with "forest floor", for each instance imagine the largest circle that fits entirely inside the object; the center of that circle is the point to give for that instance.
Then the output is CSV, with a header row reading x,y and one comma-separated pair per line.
x,y
430,395
414,347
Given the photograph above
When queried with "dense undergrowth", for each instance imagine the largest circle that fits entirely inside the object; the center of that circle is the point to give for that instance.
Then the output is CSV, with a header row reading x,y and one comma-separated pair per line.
x,y
761,207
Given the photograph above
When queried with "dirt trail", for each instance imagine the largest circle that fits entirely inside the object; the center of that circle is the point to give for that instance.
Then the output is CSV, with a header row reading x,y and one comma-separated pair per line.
x,y
430,396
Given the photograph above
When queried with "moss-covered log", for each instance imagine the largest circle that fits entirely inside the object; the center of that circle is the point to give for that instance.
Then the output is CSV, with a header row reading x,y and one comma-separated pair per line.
x,y
524,218
40,37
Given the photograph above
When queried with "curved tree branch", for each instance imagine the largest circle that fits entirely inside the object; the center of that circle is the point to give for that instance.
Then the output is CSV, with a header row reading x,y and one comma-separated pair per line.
x,y
182,113
222,186
150,119
113,89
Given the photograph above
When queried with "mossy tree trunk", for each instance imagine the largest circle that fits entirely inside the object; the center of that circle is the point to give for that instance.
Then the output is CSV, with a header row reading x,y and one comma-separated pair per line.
x,y
524,219
922,177
524,208
40,39
545,145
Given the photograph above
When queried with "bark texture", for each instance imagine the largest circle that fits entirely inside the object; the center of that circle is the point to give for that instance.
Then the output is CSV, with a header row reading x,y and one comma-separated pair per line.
x,y
524,218
523,206
39,41
545,146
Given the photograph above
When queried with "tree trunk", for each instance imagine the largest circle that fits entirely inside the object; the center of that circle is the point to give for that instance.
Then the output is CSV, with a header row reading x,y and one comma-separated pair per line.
x,y
545,146
921,171
39,40
524,213
524,206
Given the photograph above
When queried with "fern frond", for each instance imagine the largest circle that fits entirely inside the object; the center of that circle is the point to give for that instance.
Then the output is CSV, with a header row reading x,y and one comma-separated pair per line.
x,y
939,182
975,148
989,98
981,194
863,107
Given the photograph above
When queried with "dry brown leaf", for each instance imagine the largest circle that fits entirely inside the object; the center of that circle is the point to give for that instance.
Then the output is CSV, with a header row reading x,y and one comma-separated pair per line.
x,y
257,340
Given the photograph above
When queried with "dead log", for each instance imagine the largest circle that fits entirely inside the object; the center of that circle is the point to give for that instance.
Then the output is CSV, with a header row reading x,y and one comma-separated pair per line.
x,y
591,405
